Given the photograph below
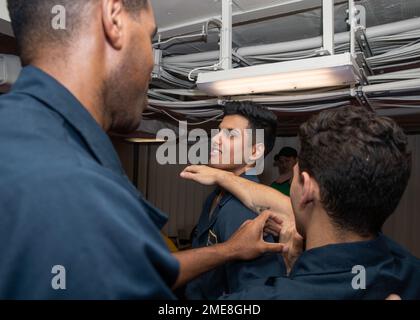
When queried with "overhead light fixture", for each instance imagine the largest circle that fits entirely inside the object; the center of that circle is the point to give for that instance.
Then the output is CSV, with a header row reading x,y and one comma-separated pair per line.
x,y
319,72
10,68
145,140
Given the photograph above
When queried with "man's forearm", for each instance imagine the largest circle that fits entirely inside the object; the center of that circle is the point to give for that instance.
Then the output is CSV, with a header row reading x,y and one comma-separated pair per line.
x,y
255,196
258,198
195,262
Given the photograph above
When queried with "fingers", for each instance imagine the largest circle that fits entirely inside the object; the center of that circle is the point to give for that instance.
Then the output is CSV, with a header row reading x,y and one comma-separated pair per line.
x,y
187,175
263,217
245,223
269,231
275,247
192,169
276,217
274,226
191,172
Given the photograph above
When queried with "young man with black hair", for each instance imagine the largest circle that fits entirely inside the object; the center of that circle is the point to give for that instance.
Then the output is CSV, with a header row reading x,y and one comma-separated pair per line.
x,y
223,213
352,171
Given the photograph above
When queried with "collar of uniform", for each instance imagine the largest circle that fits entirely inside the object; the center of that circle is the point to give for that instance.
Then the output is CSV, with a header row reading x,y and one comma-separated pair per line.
x,y
33,81
341,257
249,175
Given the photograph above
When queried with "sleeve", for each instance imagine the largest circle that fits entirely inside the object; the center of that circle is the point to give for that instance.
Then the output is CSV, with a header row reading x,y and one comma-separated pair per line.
x,y
97,231
242,273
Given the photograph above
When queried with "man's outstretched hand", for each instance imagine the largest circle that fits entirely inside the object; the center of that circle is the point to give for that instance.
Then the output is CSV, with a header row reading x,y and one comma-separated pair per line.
x,y
247,242
203,174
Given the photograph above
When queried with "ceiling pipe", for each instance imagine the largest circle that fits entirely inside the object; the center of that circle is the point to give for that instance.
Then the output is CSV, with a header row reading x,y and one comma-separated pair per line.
x,y
304,44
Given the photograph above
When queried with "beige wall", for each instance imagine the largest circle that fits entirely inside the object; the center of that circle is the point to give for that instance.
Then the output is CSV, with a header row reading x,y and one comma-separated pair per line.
x,y
183,200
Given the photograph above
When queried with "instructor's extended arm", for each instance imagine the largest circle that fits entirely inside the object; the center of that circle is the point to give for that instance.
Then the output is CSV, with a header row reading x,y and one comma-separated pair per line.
x,y
246,244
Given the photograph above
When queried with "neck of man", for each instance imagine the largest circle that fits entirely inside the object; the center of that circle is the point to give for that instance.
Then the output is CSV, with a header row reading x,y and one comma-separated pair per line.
x,y
81,76
322,231
284,177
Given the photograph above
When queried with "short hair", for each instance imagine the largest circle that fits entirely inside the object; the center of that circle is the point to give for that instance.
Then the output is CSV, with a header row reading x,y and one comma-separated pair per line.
x,y
361,163
258,117
31,22
287,152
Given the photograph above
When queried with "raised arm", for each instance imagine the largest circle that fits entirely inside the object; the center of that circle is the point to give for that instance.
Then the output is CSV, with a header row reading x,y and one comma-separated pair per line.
x,y
258,198
255,196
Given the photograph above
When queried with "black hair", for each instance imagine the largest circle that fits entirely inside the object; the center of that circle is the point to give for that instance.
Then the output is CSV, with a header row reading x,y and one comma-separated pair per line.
x,y
287,152
361,163
259,117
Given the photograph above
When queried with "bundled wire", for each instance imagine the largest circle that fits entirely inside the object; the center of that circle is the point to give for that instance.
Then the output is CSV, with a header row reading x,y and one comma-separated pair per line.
x,y
179,100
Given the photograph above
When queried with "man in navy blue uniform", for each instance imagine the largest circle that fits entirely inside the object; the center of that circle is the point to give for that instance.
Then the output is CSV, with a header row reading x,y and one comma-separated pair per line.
x,y
223,213
352,171
72,226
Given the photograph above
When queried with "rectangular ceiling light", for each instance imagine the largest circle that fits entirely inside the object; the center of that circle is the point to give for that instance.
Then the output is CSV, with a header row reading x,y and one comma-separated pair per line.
x,y
145,140
10,68
312,73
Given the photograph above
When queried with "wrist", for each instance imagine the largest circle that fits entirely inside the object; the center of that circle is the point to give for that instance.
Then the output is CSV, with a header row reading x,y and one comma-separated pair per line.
x,y
227,252
222,176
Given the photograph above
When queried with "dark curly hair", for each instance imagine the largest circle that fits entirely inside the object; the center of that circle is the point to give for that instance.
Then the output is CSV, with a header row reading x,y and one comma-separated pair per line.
x,y
361,163
259,118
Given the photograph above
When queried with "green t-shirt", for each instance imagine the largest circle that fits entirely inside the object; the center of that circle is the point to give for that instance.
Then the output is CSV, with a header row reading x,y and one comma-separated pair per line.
x,y
282,187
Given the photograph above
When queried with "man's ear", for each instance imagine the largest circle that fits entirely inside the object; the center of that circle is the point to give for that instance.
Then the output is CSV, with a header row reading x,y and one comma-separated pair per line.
x,y
257,151
308,190
112,20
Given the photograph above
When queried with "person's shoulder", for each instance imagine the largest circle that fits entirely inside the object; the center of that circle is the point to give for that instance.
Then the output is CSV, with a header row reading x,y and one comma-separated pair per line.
x,y
233,208
395,247
68,181
80,197
18,106
84,174
401,253
233,213
41,134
